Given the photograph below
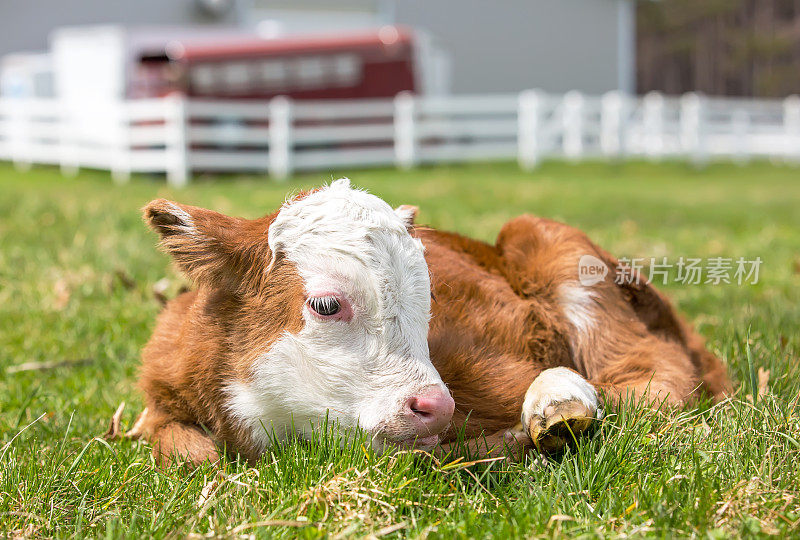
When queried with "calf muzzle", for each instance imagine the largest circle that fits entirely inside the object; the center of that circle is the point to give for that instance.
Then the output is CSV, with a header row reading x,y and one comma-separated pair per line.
x,y
430,411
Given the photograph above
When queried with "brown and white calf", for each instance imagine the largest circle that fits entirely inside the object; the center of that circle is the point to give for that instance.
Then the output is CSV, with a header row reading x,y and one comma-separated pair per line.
x,y
338,306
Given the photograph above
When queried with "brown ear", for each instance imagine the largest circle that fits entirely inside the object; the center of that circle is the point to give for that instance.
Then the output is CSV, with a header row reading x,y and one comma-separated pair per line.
x,y
211,248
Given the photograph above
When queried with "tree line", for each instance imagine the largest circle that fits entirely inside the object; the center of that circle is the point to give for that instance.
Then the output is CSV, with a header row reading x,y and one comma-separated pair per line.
x,y
719,47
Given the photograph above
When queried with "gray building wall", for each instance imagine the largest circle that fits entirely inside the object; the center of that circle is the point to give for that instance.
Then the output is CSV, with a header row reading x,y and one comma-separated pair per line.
x,y
25,24
510,45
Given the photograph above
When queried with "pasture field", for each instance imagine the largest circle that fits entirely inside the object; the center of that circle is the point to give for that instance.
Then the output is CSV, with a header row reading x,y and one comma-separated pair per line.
x,y
77,272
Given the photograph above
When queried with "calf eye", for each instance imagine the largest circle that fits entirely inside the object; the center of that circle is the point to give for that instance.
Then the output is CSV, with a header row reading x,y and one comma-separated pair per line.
x,y
324,305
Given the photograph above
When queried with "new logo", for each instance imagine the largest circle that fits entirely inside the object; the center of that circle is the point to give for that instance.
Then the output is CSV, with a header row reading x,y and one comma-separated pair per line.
x,y
591,270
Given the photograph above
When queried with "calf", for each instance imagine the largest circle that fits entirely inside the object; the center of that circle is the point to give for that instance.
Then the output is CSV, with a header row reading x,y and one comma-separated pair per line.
x,y
323,309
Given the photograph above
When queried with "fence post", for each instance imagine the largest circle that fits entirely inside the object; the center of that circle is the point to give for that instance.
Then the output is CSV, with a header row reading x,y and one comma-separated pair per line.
x,y
405,136
791,127
529,114
740,128
121,160
653,124
573,124
280,138
692,126
177,144
613,116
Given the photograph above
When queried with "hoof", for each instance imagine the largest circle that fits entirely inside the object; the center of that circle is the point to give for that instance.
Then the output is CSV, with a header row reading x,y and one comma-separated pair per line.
x,y
559,406
561,424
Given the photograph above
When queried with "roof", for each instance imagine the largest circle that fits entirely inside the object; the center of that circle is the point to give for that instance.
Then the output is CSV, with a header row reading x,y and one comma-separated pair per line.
x,y
385,36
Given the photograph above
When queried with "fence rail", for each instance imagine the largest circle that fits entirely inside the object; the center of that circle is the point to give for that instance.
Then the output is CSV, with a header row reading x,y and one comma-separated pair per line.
x,y
179,136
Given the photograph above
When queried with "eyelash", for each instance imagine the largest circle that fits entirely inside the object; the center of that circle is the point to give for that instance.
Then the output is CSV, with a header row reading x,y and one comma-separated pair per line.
x,y
324,306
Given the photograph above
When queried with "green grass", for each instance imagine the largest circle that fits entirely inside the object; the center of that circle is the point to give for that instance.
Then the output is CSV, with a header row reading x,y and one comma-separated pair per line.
x,y
77,268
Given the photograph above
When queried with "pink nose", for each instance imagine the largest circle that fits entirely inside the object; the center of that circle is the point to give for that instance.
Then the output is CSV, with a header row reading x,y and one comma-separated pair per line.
x,y
432,408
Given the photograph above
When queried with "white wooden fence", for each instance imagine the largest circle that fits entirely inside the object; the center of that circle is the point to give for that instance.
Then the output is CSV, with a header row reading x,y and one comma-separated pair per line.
x,y
180,137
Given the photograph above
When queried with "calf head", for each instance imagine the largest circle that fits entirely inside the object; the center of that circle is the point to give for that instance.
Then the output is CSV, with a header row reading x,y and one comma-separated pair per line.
x,y
321,309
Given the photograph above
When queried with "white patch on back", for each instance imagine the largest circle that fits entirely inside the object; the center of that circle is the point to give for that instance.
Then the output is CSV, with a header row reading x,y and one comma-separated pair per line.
x,y
577,303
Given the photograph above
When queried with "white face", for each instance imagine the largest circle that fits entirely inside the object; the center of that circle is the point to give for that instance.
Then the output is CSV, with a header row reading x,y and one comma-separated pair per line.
x,y
363,350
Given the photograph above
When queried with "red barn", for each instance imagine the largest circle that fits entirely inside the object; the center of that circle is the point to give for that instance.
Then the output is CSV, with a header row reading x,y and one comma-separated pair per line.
x,y
374,64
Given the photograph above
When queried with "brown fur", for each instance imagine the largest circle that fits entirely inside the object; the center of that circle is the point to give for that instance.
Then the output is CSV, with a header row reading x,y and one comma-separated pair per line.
x,y
497,322
205,338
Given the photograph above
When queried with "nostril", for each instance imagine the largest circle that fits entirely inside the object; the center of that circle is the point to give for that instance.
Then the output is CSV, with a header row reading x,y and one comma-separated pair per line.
x,y
419,409
433,407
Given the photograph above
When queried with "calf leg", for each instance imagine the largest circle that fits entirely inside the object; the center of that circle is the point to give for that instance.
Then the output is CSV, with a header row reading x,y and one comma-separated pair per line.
x,y
181,442
511,444
560,404
176,441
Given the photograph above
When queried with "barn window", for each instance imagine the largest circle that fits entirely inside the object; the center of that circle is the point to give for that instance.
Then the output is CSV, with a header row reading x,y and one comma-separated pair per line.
x,y
346,69
310,72
237,76
203,77
273,73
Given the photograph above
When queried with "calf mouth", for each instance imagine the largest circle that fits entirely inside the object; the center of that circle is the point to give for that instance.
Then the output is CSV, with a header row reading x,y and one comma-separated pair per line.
x,y
415,442
421,443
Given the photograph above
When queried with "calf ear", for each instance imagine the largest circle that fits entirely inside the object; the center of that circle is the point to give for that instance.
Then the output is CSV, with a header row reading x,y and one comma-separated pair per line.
x,y
211,248
407,213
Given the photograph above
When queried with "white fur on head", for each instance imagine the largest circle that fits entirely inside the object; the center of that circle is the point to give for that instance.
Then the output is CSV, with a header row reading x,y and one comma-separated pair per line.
x,y
362,371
